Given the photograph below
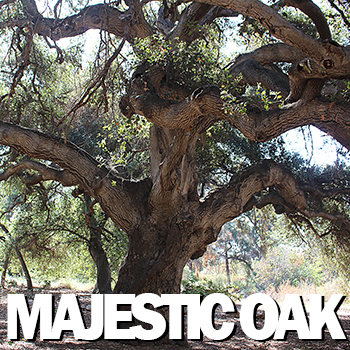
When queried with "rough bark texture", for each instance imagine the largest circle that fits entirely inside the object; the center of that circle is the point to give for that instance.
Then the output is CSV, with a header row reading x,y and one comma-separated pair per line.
x,y
166,221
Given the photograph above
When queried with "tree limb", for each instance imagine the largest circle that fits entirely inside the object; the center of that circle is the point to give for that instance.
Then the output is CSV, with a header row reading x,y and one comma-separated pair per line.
x,y
254,72
331,117
270,53
327,216
171,114
130,24
45,173
30,8
186,29
280,28
320,193
258,125
196,15
106,188
226,203
316,15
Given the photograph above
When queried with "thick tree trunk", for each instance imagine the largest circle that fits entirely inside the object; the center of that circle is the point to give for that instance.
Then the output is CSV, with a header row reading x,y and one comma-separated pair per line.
x,y
155,261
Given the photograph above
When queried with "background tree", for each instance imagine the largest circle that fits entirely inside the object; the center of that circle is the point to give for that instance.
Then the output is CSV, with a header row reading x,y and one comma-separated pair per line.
x,y
181,86
54,232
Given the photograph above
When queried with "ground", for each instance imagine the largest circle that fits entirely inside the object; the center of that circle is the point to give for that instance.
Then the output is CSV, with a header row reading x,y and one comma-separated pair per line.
x,y
238,341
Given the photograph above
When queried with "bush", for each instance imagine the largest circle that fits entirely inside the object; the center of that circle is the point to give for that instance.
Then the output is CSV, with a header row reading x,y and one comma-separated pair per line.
x,y
204,287
286,265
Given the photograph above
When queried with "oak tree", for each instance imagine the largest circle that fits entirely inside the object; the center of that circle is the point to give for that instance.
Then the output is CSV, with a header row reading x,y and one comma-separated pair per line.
x,y
167,216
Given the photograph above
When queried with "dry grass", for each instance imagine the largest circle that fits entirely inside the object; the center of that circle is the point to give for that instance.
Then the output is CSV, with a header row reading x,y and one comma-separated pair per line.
x,y
305,290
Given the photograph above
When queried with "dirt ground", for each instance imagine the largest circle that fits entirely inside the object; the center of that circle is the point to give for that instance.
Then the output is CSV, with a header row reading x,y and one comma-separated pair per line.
x,y
237,341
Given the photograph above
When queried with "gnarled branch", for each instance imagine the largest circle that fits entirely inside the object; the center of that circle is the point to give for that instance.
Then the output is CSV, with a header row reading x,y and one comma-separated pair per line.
x,y
313,12
271,53
254,72
45,173
330,117
171,114
114,195
228,202
330,56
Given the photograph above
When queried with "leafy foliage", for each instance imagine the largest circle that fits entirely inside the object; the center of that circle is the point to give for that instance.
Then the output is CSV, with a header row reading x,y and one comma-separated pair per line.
x,y
189,66
50,227
205,287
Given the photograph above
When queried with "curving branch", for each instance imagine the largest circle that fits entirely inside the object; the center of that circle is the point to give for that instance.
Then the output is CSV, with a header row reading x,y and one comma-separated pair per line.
x,y
321,193
171,114
330,217
45,173
186,29
114,195
226,203
130,24
329,55
194,16
278,26
270,53
240,195
258,125
331,117
315,14
254,72
258,66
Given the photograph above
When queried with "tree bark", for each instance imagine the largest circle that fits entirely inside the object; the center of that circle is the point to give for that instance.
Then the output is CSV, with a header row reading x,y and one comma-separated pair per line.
x,y
6,265
25,269
103,281
166,221
155,260
98,254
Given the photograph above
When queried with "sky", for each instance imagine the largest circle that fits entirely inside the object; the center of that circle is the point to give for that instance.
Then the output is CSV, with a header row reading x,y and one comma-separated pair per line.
x,y
321,151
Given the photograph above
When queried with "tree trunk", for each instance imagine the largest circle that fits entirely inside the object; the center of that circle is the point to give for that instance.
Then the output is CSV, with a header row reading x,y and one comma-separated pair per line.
x,y
99,256
103,280
6,265
25,269
151,267
227,262
157,255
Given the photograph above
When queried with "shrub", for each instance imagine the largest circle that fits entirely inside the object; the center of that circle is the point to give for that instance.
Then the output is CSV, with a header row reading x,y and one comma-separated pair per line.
x,y
204,287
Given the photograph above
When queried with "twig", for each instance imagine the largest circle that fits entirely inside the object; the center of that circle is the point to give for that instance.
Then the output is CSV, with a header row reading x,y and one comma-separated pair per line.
x,y
134,154
335,6
92,87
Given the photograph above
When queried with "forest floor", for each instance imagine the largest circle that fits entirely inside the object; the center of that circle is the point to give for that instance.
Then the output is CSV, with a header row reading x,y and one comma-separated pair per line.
x,y
237,341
